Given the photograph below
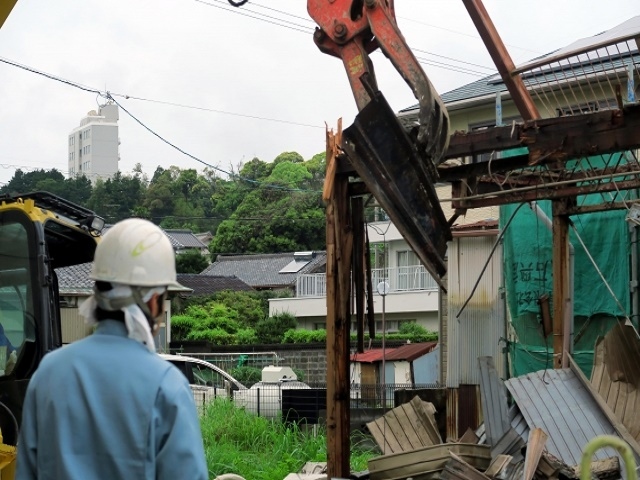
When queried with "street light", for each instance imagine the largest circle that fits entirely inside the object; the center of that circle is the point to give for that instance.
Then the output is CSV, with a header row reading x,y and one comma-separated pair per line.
x,y
383,288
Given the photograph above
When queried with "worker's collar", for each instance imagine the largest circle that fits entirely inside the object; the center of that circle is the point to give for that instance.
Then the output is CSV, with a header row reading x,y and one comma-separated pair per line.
x,y
111,327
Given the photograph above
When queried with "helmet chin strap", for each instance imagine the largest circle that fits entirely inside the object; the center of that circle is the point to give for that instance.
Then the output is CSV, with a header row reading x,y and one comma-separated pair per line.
x,y
136,294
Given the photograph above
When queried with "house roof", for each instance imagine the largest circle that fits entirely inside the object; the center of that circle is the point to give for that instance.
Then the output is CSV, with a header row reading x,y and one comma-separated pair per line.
x,y
411,351
74,280
210,284
178,238
184,239
262,271
572,67
371,356
408,352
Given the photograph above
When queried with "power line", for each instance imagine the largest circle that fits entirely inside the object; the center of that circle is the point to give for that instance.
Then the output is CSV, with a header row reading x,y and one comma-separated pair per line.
x,y
193,157
109,96
260,16
205,109
309,30
163,102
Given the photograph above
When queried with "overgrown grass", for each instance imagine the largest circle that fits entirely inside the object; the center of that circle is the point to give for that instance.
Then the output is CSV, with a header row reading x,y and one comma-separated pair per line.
x,y
239,442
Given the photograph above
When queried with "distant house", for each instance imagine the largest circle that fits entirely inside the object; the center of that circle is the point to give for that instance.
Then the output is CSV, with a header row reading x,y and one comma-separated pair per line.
x,y
270,271
185,240
403,365
203,285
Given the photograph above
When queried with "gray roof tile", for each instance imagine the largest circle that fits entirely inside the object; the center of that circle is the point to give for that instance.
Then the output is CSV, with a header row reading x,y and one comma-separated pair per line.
x,y
184,239
210,284
261,271
74,280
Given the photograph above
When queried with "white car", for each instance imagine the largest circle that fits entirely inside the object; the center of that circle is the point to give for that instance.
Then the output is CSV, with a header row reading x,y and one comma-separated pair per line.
x,y
209,381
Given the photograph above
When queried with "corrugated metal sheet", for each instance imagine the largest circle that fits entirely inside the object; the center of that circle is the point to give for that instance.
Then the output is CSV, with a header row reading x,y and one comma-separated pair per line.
x,y
426,369
477,332
411,351
558,402
463,410
495,408
371,356
73,325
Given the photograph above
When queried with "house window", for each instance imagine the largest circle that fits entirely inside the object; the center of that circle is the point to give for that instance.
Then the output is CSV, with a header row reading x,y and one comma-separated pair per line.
x,y
409,270
588,107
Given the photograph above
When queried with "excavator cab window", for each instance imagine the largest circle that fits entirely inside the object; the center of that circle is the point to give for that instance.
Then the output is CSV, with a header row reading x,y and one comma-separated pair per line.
x,y
16,291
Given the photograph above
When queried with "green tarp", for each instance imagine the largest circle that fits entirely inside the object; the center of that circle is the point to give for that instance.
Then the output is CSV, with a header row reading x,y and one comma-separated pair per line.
x,y
528,275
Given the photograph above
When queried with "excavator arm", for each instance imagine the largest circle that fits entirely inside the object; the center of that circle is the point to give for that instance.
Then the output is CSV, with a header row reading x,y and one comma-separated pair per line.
x,y
397,164
351,30
5,9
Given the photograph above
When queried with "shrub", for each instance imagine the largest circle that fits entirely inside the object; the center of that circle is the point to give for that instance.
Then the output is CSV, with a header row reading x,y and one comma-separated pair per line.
x,y
246,375
181,326
272,329
216,336
305,336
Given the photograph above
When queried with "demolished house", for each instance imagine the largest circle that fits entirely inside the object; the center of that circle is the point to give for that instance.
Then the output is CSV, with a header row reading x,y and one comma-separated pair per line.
x,y
536,425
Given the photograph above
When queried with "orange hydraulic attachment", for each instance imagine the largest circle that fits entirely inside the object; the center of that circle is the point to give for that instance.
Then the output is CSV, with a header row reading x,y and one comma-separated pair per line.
x,y
351,30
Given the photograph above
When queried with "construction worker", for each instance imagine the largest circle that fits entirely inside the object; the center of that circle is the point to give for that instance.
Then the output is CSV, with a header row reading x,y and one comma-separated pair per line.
x,y
108,406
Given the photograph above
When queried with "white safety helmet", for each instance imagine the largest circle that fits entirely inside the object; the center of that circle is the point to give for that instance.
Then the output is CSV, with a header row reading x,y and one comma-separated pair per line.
x,y
135,252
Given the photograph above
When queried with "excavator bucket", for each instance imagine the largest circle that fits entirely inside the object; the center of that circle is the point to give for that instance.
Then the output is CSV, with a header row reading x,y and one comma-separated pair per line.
x,y
401,180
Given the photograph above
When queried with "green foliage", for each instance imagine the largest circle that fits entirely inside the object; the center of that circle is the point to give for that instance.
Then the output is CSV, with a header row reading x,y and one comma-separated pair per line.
x,y
118,197
181,326
216,336
413,333
273,329
250,305
191,261
412,328
246,375
253,447
289,220
305,336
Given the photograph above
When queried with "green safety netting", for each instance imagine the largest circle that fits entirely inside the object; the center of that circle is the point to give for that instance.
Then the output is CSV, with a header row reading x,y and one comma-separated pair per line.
x,y
528,275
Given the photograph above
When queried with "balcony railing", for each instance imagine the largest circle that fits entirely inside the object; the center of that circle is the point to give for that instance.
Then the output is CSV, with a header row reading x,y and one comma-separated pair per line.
x,y
400,279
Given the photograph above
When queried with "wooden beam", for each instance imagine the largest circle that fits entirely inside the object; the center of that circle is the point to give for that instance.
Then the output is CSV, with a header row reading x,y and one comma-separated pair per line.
x,y
502,59
503,195
339,250
549,140
561,282
358,271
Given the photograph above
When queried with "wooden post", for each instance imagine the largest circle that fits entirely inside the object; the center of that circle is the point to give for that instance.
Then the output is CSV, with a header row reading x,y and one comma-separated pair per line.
x,y
561,282
358,270
339,250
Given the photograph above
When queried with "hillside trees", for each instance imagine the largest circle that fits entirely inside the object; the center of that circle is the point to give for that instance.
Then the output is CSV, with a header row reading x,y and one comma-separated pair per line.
x,y
260,207
281,214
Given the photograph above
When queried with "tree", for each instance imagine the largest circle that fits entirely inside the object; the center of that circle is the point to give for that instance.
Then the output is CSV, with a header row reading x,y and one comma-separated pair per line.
x,y
272,329
28,182
191,261
281,214
118,197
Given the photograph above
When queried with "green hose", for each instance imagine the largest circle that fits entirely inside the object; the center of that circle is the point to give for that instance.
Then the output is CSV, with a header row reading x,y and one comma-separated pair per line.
x,y
603,441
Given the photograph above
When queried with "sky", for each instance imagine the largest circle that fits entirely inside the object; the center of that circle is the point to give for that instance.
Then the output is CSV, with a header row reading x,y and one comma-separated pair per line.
x,y
229,84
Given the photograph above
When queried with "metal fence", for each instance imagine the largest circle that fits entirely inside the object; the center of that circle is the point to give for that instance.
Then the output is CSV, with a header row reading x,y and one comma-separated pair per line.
x,y
296,401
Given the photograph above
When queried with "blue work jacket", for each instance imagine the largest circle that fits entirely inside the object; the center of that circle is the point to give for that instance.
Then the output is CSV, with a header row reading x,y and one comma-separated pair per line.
x,y
106,408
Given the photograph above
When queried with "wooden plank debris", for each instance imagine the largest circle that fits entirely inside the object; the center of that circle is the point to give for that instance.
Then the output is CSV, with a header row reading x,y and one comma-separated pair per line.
x,y
606,469
535,447
405,428
456,468
468,437
427,462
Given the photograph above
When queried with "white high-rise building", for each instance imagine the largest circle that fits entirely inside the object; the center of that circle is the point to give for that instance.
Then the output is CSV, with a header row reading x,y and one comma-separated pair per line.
x,y
94,145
